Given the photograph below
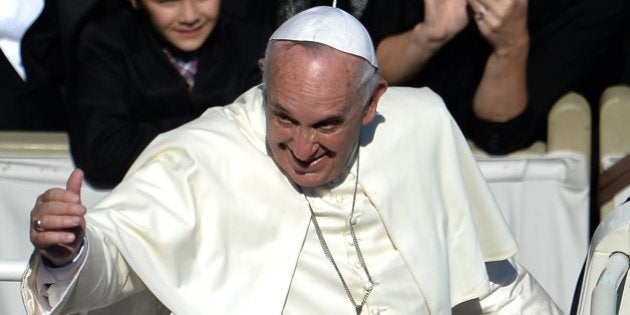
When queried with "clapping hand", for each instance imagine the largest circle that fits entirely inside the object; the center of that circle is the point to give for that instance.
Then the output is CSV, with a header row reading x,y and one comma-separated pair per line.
x,y
502,22
443,19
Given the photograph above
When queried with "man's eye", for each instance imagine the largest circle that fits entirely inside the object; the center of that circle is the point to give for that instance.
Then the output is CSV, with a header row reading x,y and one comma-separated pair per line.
x,y
284,120
327,128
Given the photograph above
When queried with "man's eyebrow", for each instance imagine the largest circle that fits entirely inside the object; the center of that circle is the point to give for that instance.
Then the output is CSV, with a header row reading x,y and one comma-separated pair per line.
x,y
278,110
332,120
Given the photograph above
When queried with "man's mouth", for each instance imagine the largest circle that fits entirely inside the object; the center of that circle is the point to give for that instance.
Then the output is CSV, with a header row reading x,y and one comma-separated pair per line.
x,y
304,165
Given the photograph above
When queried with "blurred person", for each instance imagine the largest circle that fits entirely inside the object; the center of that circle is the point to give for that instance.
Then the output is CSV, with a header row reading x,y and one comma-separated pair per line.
x,y
499,64
151,67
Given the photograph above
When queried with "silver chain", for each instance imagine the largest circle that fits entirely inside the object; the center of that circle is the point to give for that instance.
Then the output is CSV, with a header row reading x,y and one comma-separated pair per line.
x,y
322,241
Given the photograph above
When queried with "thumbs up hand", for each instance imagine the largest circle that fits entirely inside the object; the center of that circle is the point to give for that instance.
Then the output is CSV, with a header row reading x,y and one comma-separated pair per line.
x,y
58,221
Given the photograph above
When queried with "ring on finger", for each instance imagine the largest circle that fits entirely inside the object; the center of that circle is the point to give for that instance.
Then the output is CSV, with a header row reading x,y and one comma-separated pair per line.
x,y
37,225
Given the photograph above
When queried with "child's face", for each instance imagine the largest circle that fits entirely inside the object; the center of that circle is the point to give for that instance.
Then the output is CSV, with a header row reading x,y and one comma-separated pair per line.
x,y
185,24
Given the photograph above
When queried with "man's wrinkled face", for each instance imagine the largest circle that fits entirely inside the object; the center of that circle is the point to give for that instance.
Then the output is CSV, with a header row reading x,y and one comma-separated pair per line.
x,y
314,113
185,24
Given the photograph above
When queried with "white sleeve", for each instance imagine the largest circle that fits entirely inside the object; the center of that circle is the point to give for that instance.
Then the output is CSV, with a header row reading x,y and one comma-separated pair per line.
x,y
514,291
53,282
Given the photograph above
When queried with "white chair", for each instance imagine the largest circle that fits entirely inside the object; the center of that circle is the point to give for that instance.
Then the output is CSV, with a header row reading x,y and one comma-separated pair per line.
x,y
614,135
604,282
11,270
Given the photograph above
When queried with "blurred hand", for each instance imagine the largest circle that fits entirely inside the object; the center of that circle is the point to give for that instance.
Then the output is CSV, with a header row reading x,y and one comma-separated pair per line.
x,y
62,221
503,23
443,19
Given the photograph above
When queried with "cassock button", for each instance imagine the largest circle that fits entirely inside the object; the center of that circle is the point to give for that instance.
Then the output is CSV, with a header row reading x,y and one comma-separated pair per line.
x,y
339,199
377,311
354,220
350,240
368,286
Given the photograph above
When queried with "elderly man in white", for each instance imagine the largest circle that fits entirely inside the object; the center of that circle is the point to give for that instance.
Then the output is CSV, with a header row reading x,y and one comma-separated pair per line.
x,y
301,197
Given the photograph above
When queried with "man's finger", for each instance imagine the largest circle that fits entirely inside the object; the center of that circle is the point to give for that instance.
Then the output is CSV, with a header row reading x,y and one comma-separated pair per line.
x,y
44,240
59,208
56,222
75,181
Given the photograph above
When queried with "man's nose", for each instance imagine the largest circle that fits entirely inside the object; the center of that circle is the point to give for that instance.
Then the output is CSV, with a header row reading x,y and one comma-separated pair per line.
x,y
305,143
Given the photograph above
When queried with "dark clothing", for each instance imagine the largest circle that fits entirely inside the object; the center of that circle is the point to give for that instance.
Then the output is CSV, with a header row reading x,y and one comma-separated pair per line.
x,y
569,42
625,50
127,91
275,12
37,103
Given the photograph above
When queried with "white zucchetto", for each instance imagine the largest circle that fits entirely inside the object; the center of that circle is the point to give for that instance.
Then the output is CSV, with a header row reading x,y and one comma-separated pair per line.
x,y
329,26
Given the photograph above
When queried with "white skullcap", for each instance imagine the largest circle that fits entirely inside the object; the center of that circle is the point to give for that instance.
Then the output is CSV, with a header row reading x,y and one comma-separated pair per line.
x,y
329,26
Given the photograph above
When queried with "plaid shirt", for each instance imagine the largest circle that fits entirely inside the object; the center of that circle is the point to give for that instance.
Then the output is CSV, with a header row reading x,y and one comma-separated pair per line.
x,y
187,68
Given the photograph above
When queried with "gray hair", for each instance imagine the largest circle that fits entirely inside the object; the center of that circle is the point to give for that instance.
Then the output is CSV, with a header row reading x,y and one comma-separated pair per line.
x,y
368,78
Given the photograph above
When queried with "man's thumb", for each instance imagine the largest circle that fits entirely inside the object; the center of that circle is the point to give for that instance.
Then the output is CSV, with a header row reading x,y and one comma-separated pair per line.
x,y
75,181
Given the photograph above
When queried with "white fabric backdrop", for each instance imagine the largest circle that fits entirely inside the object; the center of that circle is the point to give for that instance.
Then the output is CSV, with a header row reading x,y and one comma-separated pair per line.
x,y
544,200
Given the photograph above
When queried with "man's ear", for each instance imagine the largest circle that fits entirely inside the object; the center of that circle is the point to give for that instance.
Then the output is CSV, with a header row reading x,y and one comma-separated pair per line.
x,y
134,3
261,64
369,111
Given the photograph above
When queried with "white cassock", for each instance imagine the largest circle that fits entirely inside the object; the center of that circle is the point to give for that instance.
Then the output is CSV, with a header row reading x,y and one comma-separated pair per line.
x,y
208,223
